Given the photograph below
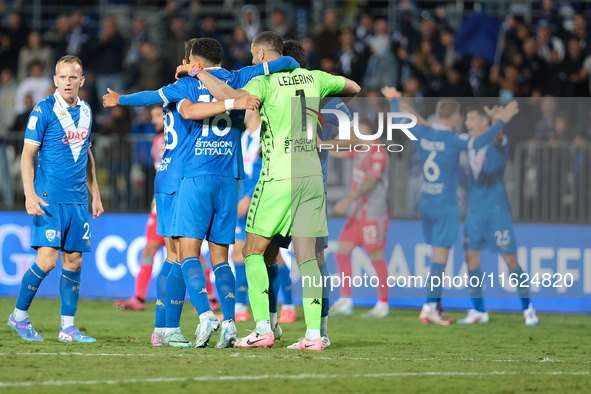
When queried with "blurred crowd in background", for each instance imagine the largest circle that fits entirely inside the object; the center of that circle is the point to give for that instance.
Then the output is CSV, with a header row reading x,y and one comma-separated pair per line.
x,y
544,53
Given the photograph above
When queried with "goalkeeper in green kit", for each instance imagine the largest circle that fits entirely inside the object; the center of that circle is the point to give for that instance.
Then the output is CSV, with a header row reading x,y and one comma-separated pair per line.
x,y
289,197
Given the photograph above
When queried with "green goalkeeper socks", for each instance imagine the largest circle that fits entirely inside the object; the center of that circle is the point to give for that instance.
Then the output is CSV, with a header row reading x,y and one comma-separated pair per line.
x,y
312,293
258,286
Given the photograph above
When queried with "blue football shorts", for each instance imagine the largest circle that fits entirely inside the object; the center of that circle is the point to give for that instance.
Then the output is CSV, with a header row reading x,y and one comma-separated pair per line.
x,y
207,208
64,226
166,205
440,224
493,229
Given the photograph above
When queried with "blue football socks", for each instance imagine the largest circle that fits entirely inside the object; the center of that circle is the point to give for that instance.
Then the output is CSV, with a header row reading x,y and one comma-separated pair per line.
x,y
195,281
225,284
29,285
175,295
161,294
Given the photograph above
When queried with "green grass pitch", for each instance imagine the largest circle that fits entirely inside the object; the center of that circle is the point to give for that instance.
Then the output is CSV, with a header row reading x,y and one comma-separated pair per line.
x,y
395,354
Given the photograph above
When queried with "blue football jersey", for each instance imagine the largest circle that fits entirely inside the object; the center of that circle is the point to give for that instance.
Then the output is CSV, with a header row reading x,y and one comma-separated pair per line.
x,y
252,162
213,137
178,145
439,149
215,140
331,131
486,186
63,134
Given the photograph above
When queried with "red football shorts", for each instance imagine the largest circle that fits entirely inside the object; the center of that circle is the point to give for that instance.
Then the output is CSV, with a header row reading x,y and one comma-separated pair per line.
x,y
151,230
369,234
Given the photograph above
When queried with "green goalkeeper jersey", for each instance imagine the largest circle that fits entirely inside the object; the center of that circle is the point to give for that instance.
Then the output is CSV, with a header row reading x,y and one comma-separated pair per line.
x,y
287,150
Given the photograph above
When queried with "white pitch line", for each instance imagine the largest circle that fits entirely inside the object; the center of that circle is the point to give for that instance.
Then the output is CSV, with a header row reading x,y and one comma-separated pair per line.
x,y
242,355
279,376
85,354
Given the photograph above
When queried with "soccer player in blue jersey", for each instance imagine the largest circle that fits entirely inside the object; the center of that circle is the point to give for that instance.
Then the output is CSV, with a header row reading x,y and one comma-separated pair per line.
x,y
488,221
210,170
59,130
170,285
439,149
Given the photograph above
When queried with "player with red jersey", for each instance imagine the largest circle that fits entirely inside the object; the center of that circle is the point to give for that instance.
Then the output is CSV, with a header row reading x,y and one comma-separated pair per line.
x,y
367,223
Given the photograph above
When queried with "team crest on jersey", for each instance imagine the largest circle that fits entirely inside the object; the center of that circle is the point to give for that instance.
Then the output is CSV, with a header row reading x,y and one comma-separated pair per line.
x,y
50,235
75,136
86,113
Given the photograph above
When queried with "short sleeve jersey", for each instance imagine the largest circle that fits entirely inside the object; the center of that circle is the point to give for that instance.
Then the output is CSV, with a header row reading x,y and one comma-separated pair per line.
x,y
287,150
63,134
214,141
182,136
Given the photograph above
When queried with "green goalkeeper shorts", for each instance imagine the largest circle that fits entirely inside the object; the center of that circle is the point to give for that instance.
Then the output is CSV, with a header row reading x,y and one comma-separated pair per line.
x,y
295,207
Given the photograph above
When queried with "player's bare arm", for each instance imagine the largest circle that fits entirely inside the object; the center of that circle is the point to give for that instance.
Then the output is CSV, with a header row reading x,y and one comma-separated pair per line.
x,y
341,206
92,184
392,93
219,89
197,111
509,111
505,114
32,200
111,99
495,114
351,88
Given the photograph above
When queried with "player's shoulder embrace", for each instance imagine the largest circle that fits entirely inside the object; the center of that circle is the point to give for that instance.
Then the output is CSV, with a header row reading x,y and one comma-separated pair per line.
x,y
189,82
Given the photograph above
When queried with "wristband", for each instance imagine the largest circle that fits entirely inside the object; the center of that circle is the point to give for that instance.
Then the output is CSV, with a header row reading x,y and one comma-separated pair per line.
x,y
229,103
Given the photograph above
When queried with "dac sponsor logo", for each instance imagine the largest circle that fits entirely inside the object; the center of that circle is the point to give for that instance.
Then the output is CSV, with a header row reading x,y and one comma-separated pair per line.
x,y
74,137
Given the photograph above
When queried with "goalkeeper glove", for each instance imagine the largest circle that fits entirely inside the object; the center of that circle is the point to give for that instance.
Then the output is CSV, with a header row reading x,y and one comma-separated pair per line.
x,y
187,70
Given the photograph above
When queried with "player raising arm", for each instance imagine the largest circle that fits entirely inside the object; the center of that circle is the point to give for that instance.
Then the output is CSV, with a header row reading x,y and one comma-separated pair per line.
x,y
488,220
439,148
